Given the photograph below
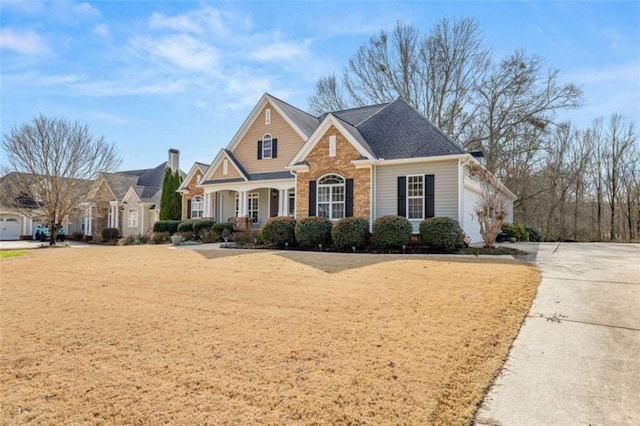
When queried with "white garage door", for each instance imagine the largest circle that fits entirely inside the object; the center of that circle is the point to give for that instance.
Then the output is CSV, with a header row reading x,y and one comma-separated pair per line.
x,y
9,228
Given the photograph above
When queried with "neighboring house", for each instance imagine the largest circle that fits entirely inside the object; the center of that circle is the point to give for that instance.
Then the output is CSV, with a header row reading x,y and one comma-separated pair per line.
x,y
127,200
368,162
192,194
20,214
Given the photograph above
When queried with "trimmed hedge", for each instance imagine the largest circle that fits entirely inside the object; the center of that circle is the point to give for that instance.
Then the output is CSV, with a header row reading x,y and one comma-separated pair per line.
x,y
534,234
350,232
170,226
110,234
442,233
515,230
279,230
199,226
221,226
314,230
186,226
392,231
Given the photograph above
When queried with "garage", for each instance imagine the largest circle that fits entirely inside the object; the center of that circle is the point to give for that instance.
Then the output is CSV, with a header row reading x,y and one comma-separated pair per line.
x,y
9,227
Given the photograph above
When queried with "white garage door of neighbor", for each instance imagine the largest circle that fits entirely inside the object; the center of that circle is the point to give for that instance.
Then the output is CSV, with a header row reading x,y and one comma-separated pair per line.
x,y
9,228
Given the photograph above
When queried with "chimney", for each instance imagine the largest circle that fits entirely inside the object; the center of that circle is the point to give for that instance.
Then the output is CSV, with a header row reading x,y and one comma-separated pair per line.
x,y
174,159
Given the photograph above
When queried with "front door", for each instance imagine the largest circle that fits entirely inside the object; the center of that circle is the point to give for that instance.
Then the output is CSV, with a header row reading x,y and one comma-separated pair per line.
x,y
274,201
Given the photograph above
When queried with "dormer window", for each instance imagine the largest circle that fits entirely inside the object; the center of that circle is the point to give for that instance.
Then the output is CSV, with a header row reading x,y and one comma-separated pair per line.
x,y
267,147
267,116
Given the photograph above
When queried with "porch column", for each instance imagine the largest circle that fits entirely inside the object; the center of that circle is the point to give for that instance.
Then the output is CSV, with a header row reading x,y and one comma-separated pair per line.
x,y
242,211
280,202
212,205
30,226
89,221
205,208
141,224
117,210
286,203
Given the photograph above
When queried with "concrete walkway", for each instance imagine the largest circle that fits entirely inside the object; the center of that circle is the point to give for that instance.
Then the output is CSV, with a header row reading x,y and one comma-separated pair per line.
x,y
576,360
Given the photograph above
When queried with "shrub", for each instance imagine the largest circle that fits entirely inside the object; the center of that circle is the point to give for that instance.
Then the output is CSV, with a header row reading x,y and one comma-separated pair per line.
x,y
279,230
534,234
392,231
142,239
350,232
170,226
246,238
160,237
186,226
187,236
110,234
311,231
210,236
442,233
77,235
199,226
220,227
515,230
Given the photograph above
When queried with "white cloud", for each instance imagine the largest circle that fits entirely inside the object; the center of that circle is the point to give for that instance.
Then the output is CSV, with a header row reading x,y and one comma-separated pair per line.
x,y
128,88
23,42
183,51
36,79
102,30
85,10
280,51
200,21
629,72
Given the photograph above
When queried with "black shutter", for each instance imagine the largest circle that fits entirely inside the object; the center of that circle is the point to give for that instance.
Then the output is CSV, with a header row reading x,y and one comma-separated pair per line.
x,y
312,198
188,209
402,196
274,148
259,150
348,206
429,196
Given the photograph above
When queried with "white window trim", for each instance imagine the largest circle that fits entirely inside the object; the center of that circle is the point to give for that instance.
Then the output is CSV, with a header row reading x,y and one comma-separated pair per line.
x,y
267,116
237,204
332,146
292,203
267,138
132,218
415,197
197,213
331,203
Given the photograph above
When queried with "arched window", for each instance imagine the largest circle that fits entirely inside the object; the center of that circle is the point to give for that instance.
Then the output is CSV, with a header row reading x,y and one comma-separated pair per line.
x,y
267,146
197,207
132,218
331,197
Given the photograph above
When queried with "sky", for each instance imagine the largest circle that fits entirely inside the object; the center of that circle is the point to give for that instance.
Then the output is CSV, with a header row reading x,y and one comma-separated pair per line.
x,y
154,75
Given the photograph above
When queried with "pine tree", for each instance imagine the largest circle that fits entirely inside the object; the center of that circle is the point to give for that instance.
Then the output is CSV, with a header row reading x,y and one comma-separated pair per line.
x,y
171,201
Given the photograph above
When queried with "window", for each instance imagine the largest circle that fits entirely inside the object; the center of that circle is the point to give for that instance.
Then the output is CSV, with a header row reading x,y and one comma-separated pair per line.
x,y
415,197
292,202
197,207
267,116
225,166
332,146
132,218
267,146
331,196
252,206
237,205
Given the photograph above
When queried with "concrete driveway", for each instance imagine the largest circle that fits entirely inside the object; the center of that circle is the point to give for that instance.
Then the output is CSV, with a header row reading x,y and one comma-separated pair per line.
x,y
576,360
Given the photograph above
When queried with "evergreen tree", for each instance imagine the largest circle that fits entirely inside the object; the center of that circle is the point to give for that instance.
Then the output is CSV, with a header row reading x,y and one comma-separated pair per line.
x,y
171,201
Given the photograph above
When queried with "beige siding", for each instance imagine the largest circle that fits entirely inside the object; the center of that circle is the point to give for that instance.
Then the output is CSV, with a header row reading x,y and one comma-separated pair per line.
x,y
289,142
232,173
445,182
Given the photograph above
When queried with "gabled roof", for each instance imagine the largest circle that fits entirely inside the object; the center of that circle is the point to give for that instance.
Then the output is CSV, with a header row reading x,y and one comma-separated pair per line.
x,y
400,131
197,167
355,116
305,121
224,153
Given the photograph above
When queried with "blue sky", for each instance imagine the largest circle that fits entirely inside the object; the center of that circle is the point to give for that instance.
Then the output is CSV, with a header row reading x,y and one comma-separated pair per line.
x,y
153,75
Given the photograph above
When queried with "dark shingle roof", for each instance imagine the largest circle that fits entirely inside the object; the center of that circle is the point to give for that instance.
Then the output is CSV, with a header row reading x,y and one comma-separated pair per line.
x,y
306,122
272,175
399,131
235,161
355,116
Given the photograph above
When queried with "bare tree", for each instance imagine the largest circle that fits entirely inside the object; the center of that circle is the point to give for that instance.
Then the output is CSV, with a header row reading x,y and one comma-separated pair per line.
x,y
491,207
51,162
435,73
621,137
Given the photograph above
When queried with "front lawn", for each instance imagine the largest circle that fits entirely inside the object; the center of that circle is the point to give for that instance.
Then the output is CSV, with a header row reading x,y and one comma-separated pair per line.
x,y
154,335
5,254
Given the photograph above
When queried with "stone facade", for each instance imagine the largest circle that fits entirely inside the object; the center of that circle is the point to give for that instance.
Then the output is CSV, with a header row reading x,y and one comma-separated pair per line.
x,y
193,191
320,164
100,213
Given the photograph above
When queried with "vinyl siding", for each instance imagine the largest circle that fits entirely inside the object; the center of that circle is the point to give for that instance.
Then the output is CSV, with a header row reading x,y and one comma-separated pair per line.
x,y
232,173
289,142
446,187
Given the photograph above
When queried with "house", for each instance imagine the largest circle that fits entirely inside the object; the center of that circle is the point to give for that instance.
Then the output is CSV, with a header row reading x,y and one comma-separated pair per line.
x,y
370,161
192,194
127,200
21,214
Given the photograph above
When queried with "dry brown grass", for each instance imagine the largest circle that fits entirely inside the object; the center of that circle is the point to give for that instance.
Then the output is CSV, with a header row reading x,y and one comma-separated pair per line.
x,y
150,335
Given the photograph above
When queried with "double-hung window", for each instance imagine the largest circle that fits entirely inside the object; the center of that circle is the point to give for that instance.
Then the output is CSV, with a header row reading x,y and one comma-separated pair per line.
x,y
197,207
132,218
415,197
253,201
331,197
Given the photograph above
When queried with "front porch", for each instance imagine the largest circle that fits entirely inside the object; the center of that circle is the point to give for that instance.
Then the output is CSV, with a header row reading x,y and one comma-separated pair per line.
x,y
247,207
